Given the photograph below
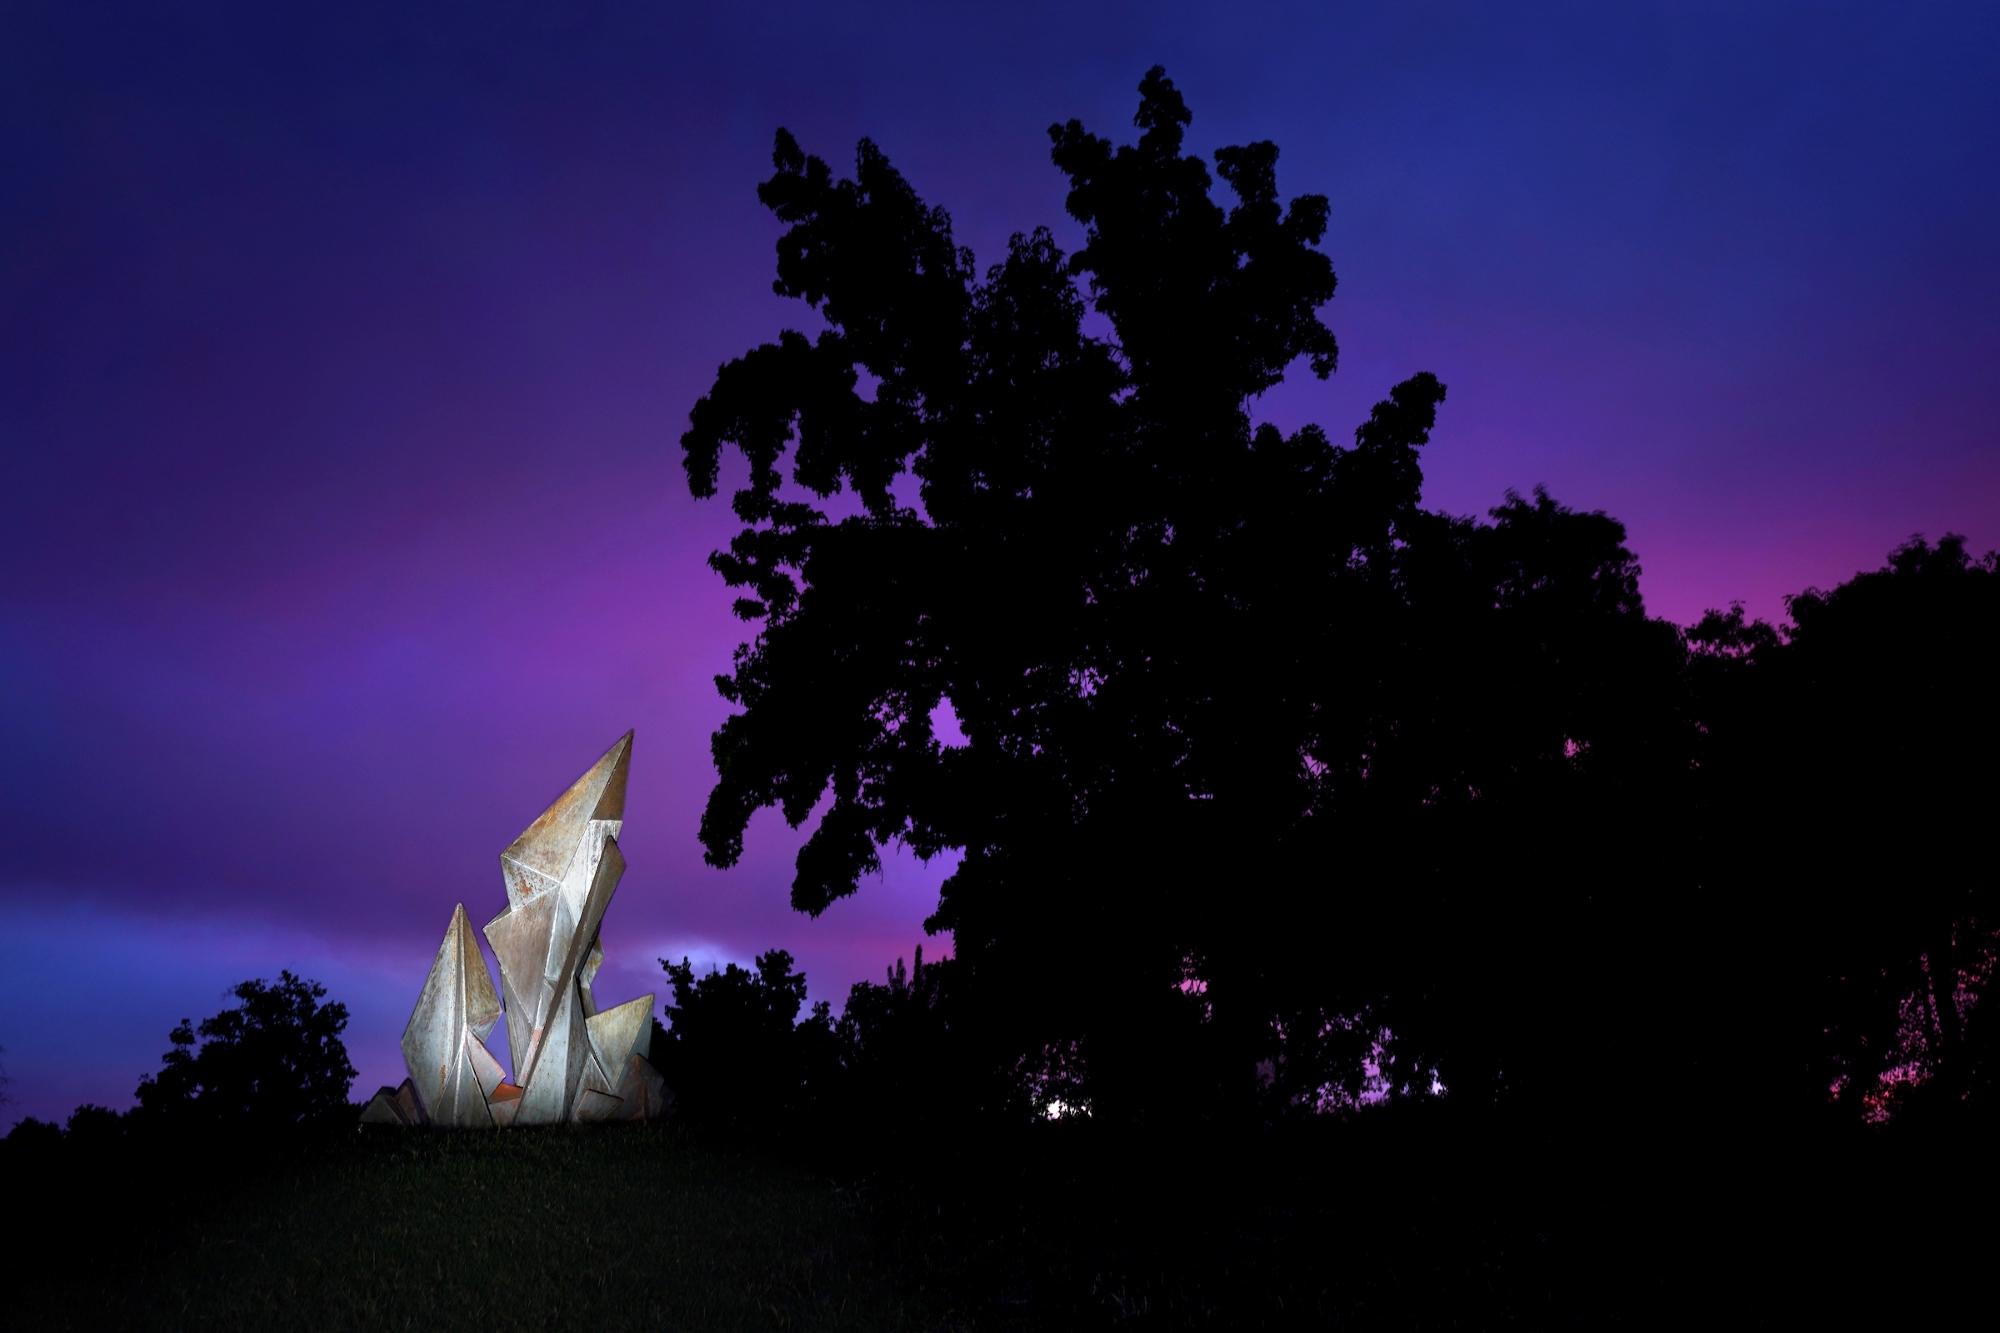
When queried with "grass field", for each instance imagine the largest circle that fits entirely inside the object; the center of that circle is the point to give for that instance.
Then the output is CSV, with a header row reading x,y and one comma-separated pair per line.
x,y
613,1228
1389,1225
555,1229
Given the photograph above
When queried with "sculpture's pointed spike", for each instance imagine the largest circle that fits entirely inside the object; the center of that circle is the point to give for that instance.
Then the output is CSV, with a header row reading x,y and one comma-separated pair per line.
x,y
560,874
547,845
481,1001
433,1042
611,802
616,1035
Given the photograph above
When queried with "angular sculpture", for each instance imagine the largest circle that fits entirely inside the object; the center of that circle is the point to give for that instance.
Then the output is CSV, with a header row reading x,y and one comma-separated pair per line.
x,y
394,1106
571,1062
445,1042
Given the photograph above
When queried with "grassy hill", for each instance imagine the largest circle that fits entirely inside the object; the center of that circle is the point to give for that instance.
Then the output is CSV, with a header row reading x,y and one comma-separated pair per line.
x,y
636,1228
1389,1223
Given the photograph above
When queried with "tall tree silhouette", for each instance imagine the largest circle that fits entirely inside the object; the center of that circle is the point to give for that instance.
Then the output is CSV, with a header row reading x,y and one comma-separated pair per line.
x,y
1855,784
1228,693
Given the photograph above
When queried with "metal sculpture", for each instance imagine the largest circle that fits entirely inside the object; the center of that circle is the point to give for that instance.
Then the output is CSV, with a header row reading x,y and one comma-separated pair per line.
x,y
572,1062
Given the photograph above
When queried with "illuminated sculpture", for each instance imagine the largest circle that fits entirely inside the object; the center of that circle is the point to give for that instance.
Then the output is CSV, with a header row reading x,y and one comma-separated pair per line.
x,y
571,1062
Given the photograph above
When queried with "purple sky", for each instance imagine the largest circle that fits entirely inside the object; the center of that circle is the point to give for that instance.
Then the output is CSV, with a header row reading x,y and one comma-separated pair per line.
x,y
344,351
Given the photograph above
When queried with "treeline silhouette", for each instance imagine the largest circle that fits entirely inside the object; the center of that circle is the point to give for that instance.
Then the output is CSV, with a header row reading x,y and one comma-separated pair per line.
x,y
1846,783
743,1060
266,1073
1281,794
1749,884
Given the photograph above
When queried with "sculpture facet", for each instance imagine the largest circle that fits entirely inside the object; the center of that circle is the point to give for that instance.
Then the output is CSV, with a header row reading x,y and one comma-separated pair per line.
x,y
571,1062
642,1092
394,1106
454,1013
618,1034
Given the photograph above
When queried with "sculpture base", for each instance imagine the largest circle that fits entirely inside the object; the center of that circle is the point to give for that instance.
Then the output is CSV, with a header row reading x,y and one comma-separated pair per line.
x,y
642,1096
395,1106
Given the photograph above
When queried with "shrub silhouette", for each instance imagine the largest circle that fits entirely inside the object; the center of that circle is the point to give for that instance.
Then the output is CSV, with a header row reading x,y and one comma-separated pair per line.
x,y
271,1064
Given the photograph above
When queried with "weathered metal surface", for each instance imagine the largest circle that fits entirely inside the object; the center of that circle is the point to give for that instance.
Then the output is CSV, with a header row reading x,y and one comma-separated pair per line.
x,y
596,1099
520,940
592,961
504,1103
642,1092
549,1088
394,1106
486,1069
571,1061
381,1110
618,1034
456,1008
407,1103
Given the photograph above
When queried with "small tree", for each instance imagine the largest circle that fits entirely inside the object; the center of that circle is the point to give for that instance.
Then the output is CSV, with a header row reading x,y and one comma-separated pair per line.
x,y
273,1063
734,1051
905,1059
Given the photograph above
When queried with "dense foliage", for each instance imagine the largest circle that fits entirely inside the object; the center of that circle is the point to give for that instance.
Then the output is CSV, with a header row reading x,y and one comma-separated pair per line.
x,y
1280,792
734,1051
273,1062
739,1057
1850,807
263,1071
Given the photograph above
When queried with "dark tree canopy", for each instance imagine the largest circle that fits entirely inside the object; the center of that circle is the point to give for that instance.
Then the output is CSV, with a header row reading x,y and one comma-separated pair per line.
x,y
274,1062
1277,788
1851,814
744,1053
1210,676
734,1050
